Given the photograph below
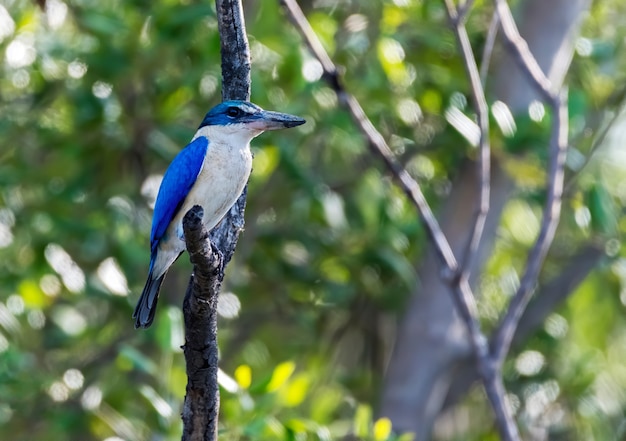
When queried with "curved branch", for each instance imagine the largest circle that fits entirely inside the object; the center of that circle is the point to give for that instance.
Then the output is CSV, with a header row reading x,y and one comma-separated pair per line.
x,y
519,50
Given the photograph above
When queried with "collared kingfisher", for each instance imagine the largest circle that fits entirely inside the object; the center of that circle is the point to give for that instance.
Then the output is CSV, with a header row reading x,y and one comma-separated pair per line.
x,y
211,171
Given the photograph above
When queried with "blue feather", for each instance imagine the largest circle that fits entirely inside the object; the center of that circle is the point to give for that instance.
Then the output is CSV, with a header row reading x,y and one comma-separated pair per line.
x,y
179,177
177,182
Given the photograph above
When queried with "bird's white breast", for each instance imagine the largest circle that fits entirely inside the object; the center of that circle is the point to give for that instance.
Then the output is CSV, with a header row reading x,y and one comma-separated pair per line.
x,y
224,173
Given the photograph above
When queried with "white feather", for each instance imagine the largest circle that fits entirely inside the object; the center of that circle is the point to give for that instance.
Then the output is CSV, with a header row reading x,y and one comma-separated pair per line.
x,y
224,173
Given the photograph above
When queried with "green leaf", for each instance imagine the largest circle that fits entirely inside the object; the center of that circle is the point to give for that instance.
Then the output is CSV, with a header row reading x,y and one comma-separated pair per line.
x,y
602,209
362,421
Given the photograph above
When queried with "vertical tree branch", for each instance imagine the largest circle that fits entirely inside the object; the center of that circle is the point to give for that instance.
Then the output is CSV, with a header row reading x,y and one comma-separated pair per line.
x,y
201,406
235,50
235,86
489,371
209,257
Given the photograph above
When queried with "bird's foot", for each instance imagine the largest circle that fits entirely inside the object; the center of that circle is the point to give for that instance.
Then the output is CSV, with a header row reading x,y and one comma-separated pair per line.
x,y
218,260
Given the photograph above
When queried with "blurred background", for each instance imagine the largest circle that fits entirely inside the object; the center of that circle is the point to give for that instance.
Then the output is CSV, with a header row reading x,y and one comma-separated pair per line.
x,y
96,98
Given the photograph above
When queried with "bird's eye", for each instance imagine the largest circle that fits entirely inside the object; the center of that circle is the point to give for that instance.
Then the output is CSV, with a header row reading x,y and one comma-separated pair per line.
x,y
234,112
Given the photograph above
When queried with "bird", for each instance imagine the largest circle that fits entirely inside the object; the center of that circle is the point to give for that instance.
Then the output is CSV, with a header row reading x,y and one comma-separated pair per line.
x,y
211,171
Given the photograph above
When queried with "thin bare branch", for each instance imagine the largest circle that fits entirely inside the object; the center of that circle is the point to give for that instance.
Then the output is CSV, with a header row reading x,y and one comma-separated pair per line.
x,y
558,148
303,26
411,188
549,297
496,393
518,49
484,148
375,140
464,297
503,335
490,42
463,9
490,372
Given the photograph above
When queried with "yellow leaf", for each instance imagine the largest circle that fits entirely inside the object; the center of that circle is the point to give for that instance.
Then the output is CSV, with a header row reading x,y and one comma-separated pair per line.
x,y
32,294
295,393
393,17
391,56
382,429
431,101
281,374
243,375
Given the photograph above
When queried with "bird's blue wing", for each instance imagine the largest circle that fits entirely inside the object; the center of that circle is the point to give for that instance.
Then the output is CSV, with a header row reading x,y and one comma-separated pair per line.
x,y
177,181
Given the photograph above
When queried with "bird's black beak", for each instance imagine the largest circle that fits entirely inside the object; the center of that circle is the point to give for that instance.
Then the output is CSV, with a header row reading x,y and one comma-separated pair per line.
x,y
268,120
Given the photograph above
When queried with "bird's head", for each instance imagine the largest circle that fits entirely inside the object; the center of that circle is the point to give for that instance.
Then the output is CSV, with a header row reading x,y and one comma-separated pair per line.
x,y
248,117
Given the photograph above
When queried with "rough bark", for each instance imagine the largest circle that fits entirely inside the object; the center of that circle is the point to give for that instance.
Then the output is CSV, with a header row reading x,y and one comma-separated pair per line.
x,y
235,50
431,344
209,253
201,405
235,86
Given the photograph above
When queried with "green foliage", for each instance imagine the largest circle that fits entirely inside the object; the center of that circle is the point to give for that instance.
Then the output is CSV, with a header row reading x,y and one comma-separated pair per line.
x,y
98,97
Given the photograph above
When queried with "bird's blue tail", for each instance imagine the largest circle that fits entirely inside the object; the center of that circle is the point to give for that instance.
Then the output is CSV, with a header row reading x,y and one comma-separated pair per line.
x,y
146,306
